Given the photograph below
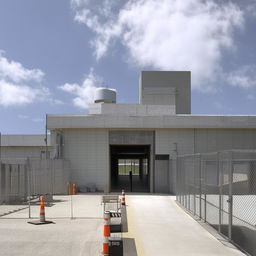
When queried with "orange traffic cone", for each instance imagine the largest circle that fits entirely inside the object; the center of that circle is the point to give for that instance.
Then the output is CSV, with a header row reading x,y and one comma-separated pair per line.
x,y
123,198
106,234
42,211
69,188
42,214
74,189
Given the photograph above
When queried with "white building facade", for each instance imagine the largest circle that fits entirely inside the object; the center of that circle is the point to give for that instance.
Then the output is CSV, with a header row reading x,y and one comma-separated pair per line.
x,y
148,135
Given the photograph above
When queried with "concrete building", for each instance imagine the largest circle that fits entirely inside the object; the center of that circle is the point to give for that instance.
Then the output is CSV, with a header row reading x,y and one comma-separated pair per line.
x,y
16,148
134,146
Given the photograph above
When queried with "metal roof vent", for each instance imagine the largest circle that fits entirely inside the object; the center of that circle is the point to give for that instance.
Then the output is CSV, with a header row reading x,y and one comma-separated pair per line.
x,y
105,95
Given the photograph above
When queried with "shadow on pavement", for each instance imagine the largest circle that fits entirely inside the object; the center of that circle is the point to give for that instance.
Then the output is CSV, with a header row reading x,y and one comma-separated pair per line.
x,y
129,247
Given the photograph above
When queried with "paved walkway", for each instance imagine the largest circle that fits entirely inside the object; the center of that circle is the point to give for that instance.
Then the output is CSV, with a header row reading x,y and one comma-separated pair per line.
x,y
78,237
158,226
81,236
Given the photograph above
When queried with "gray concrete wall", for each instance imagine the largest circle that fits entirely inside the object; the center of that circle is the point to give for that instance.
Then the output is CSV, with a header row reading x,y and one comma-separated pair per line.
x,y
131,137
30,140
173,142
88,149
189,141
88,153
160,81
162,176
170,140
130,109
49,176
210,140
16,148
152,122
13,183
21,153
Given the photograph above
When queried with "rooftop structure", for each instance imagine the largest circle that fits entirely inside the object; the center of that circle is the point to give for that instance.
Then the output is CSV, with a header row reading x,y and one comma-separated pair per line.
x,y
134,146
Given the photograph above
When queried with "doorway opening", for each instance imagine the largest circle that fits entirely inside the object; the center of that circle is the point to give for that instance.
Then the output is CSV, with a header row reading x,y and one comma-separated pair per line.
x,y
130,167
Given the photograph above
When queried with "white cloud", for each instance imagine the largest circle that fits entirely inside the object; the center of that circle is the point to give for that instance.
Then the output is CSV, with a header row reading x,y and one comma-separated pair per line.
x,y
244,77
250,7
105,32
167,35
12,94
15,72
14,84
84,93
78,3
33,119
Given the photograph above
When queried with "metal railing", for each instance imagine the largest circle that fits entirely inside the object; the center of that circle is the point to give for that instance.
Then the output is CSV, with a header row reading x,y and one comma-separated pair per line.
x,y
220,188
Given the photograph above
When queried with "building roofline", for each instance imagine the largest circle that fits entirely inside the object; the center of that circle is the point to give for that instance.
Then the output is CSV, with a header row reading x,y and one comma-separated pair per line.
x,y
151,122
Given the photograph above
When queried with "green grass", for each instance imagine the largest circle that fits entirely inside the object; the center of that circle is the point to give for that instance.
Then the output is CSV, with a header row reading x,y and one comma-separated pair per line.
x,y
124,170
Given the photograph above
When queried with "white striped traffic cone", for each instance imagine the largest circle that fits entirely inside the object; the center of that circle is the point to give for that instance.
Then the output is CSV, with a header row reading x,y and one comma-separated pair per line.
x,y
106,234
42,215
42,211
123,197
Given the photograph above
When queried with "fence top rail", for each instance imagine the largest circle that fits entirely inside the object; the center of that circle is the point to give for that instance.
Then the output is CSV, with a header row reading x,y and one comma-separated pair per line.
x,y
238,151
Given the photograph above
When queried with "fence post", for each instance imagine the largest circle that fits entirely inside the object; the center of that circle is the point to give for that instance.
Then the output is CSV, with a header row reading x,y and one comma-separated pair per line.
x,y
28,187
194,185
220,181
230,198
1,182
185,187
188,188
200,188
205,196
183,180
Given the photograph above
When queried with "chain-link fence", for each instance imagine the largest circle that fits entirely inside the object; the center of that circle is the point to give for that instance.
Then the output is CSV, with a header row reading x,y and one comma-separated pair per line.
x,y
220,188
23,181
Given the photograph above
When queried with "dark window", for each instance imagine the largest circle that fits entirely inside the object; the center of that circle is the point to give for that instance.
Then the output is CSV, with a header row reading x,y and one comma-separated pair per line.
x,y
162,157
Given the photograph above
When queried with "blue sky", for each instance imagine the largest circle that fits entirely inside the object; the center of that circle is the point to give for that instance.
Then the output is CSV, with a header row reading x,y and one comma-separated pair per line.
x,y
53,54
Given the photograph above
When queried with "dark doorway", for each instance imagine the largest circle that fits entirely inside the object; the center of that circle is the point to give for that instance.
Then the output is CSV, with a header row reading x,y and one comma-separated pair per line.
x,y
130,165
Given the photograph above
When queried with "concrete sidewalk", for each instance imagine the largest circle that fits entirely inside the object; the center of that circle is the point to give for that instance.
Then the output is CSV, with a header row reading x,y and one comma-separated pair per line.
x,y
81,236
82,206
158,226
78,237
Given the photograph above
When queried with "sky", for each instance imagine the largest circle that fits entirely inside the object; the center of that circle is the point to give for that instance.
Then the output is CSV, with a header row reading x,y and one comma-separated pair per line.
x,y
54,54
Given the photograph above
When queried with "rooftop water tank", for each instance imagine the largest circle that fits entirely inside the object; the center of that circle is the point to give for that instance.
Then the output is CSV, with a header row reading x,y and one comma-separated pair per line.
x,y
105,95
